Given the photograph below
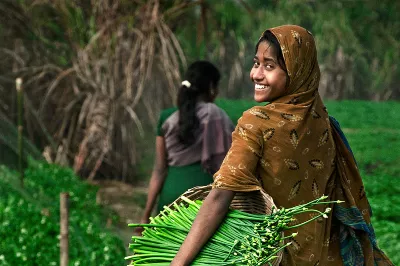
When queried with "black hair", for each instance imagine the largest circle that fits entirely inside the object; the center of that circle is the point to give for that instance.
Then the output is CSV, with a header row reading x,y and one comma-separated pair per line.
x,y
203,76
269,37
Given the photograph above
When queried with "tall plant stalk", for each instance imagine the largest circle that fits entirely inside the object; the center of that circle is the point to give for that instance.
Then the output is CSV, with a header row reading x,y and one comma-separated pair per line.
x,y
20,106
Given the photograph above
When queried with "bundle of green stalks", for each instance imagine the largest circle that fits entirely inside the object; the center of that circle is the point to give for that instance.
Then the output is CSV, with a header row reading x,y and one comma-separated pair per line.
x,y
242,238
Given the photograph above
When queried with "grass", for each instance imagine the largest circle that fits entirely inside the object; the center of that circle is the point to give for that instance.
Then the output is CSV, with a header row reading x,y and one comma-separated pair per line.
x,y
373,130
29,219
377,153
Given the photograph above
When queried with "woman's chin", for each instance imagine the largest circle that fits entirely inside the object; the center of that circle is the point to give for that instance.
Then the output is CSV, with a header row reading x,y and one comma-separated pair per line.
x,y
258,97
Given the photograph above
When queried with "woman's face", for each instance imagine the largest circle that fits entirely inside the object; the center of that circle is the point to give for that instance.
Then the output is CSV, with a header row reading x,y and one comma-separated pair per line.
x,y
268,77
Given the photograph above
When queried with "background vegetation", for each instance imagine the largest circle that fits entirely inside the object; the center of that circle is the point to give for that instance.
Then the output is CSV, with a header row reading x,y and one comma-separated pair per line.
x,y
374,135
29,217
29,220
97,73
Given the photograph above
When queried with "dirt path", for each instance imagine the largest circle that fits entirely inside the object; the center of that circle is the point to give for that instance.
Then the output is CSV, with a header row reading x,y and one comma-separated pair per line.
x,y
126,201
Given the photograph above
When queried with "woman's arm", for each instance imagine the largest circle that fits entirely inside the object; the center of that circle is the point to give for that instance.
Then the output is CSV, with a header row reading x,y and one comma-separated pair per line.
x,y
208,219
237,173
157,178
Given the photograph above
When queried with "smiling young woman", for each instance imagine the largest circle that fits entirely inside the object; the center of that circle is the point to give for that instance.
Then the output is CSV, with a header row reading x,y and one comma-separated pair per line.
x,y
269,77
294,151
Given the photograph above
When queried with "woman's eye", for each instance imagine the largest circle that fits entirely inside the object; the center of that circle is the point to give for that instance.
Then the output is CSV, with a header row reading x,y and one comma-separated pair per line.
x,y
256,64
269,66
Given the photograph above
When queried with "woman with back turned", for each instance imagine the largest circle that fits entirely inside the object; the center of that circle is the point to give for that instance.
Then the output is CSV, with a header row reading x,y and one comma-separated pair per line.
x,y
192,140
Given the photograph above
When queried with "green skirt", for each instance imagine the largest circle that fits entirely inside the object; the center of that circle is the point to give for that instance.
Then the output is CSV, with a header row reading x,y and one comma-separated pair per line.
x,y
179,179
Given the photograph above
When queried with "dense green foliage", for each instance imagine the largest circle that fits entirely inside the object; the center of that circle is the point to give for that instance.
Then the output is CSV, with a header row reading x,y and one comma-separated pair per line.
x,y
377,153
357,42
373,131
29,220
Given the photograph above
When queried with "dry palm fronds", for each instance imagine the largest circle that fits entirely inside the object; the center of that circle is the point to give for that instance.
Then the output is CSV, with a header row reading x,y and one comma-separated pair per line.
x,y
92,105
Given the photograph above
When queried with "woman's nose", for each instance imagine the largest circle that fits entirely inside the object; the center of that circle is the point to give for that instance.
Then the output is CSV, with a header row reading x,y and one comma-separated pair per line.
x,y
258,74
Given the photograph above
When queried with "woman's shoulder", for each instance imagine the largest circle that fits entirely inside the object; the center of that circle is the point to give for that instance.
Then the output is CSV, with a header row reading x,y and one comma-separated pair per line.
x,y
209,106
211,111
255,118
165,113
256,113
168,111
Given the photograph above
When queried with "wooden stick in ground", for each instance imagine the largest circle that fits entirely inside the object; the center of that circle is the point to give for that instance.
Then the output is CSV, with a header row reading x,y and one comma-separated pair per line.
x,y
64,198
20,106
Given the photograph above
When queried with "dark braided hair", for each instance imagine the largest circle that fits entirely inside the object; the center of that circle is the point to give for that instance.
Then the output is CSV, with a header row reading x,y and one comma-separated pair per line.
x,y
203,77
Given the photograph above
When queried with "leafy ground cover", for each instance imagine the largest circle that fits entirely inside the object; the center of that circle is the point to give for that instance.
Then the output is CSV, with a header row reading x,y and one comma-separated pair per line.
x,y
373,130
29,220
378,154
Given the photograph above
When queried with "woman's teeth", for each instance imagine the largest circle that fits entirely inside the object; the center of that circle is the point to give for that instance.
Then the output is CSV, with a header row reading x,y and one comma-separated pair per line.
x,y
260,87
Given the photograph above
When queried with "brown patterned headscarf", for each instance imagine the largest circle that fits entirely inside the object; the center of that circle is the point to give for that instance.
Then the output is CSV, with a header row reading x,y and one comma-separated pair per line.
x,y
300,55
290,149
288,140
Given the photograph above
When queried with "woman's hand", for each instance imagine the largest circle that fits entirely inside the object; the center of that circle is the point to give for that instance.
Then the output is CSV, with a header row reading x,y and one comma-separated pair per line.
x,y
139,230
156,181
208,219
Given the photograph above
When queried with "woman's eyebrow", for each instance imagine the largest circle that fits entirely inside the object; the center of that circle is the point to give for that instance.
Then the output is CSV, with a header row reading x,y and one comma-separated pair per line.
x,y
265,59
269,59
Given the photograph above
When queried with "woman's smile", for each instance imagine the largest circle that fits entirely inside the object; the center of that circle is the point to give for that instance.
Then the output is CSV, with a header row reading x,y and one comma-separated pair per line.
x,y
261,87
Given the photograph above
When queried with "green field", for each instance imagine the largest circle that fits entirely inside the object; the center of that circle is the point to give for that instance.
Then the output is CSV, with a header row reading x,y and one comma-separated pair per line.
x,y
373,130
29,220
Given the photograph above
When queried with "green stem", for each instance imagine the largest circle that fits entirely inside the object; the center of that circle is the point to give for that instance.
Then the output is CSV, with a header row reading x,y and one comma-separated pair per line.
x,y
20,106
306,222
159,226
